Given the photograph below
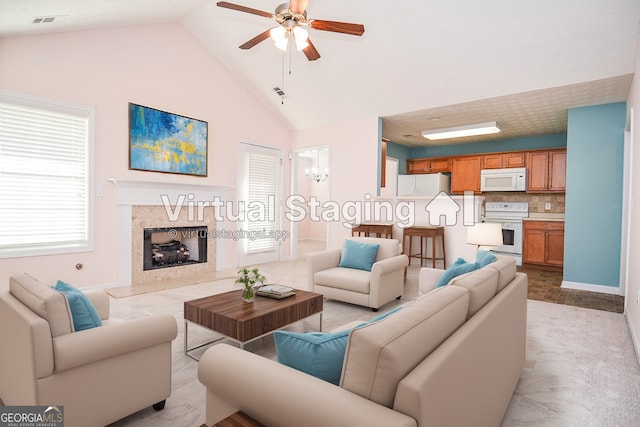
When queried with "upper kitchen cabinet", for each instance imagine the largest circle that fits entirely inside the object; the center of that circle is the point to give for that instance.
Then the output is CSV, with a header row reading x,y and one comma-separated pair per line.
x,y
547,171
465,174
514,159
437,164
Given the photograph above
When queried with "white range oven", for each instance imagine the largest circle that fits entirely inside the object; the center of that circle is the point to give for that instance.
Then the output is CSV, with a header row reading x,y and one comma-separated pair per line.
x,y
510,216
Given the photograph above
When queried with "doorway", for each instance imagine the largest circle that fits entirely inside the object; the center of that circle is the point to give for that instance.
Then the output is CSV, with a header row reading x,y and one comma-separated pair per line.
x,y
310,183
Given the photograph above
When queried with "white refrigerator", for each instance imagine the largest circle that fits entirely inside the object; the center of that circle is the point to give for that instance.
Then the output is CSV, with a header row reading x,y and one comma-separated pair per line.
x,y
430,184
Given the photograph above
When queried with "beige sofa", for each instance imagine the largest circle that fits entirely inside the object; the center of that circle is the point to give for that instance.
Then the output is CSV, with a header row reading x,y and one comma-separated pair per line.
x,y
375,288
99,375
451,358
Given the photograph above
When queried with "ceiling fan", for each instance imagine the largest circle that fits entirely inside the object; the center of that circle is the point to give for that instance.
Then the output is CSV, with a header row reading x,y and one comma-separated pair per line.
x,y
292,18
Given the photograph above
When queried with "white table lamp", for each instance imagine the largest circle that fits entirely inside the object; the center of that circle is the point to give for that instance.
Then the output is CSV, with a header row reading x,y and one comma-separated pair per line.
x,y
486,234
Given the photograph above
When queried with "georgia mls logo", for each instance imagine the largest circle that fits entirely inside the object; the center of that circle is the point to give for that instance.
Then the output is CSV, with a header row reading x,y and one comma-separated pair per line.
x,y
31,416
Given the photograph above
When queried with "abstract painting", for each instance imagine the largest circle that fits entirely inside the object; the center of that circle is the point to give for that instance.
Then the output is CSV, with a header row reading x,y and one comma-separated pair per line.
x,y
166,142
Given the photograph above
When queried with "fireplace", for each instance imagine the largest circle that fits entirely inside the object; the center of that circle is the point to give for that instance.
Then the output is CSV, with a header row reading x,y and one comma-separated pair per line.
x,y
174,247
141,205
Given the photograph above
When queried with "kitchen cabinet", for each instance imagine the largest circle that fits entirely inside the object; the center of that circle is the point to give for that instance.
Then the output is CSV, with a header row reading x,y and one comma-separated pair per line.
x,y
514,159
547,171
437,164
465,174
543,243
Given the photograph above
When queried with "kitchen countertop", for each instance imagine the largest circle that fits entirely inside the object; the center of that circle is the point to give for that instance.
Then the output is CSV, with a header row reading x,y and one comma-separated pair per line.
x,y
543,216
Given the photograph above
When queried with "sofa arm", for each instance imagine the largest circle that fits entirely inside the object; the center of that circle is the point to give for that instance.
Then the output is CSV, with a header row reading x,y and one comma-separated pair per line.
x,y
428,278
390,264
277,395
92,345
100,300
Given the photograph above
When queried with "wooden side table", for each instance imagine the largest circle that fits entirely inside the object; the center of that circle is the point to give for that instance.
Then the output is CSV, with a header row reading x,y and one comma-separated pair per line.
x,y
380,230
424,232
238,419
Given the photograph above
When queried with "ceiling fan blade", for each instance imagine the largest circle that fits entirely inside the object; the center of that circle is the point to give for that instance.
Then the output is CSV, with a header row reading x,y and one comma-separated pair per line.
x,y
311,52
338,27
298,6
244,9
257,39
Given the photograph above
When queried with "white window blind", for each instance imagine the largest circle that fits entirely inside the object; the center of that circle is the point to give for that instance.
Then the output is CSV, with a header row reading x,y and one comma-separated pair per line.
x,y
263,185
44,177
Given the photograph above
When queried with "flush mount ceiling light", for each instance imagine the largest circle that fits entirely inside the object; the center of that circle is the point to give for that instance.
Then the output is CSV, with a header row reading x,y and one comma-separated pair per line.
x,y
459,131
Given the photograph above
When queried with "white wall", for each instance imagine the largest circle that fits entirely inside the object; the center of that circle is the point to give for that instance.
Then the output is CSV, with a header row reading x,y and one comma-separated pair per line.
x,y
160,66
632,305
354,164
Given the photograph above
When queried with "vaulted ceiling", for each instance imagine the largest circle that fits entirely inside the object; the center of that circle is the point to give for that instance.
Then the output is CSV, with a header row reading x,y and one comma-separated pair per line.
x,y
419,65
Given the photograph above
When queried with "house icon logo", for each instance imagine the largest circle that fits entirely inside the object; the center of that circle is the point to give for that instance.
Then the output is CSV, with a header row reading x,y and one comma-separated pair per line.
x,y
442,205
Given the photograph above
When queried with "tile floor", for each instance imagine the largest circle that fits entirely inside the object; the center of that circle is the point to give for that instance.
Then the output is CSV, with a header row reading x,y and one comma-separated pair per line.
x,y
545,286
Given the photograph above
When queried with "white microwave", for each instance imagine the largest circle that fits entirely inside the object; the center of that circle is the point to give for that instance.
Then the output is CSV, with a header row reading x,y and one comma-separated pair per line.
x,y
512,179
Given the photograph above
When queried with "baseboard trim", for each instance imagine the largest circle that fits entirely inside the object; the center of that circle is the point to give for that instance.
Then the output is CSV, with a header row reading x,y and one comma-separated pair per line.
x,y
591,288
634,336
100,286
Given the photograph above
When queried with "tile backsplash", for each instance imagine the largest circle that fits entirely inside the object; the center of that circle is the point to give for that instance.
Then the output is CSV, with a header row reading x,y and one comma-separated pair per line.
x,y
536,201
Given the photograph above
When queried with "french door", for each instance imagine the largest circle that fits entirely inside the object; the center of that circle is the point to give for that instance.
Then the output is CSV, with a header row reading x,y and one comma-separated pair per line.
x,y
259,204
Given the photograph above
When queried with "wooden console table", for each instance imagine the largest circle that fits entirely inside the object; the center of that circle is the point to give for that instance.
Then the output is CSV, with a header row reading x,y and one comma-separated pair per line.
x,y
424,232
380,230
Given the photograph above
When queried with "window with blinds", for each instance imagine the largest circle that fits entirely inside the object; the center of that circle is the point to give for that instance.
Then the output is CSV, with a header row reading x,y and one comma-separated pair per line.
x,y
45,152
262,189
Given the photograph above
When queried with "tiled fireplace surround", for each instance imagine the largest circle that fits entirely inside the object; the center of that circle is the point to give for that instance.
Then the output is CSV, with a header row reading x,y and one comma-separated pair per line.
x,y
139,206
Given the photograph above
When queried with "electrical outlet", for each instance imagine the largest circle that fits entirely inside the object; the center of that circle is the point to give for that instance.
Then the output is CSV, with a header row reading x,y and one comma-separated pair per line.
x,y
547,206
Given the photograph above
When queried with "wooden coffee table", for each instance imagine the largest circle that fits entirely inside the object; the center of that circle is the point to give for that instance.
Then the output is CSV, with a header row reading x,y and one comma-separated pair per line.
x,y
243,322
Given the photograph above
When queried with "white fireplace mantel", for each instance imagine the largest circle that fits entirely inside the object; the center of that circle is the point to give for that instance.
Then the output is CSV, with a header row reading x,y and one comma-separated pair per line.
x,y
149,193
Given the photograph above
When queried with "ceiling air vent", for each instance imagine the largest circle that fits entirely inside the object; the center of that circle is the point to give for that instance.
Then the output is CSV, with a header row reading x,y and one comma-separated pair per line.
x,y
43,19
279,91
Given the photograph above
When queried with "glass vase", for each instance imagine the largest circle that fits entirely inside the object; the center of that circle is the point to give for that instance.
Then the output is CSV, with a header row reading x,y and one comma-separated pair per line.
x,y
247,294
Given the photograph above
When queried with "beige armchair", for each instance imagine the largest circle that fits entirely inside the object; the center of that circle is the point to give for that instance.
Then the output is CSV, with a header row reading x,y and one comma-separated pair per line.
x,y
99,375
375,288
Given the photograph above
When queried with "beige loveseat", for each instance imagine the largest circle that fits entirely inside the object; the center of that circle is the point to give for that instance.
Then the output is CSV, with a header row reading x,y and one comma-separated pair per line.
x,y
375,288
451,358
98,375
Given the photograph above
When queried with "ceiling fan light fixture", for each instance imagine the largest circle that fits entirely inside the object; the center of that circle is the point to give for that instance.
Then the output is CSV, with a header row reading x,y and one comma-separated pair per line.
x,y
461,131
300,35
279,37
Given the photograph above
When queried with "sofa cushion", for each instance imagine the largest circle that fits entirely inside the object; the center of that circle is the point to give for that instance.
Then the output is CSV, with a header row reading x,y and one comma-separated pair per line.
x,y
506,268
482,286
316,353
349,279
358,255
459,267
83,312
44,301
380,354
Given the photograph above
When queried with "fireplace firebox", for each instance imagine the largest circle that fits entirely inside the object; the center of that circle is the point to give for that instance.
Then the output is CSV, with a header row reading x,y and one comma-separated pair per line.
x,y
174,246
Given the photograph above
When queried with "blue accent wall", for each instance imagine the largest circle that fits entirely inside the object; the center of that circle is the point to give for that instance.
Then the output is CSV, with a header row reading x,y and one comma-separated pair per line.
x,y
514,144
401,153
593,210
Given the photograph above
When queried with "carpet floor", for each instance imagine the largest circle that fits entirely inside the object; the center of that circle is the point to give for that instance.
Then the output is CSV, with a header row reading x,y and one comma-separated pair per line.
x,y
580,370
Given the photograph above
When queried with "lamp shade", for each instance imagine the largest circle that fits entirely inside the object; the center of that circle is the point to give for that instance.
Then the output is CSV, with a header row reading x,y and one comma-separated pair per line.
x,y
300,35
279,37
485,234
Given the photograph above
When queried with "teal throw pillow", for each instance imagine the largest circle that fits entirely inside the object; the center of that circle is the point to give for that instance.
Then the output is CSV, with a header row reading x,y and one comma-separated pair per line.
x,y
460,266
83,312
317,353
484,258
358,255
